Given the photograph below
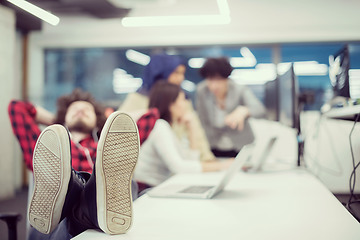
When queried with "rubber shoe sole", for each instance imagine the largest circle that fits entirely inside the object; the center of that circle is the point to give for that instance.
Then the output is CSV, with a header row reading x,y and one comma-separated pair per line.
x,y
52,171
116,157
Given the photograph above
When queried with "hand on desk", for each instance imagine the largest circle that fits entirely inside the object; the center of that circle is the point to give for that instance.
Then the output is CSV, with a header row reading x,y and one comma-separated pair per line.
x,y
216,165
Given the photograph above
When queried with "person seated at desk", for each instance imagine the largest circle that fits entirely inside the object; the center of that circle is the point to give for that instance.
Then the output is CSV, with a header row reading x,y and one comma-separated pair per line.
x,y
224,108
163,154
169,68
62,159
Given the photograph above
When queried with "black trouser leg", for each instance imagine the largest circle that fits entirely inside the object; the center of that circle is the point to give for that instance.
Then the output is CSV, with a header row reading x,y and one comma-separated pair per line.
x,y
84,212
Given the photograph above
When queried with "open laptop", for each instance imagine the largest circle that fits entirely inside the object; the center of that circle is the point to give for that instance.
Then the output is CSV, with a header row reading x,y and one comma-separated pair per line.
x,y
200,191
260,154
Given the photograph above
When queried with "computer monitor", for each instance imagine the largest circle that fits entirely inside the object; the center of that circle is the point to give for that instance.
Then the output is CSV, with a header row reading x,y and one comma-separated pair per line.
x,y
271,100
288,97
339,65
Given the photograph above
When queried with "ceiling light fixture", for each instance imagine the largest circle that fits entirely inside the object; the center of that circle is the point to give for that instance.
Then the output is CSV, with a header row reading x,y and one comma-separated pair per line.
x,y
196,62
247,60
188,86
304,68
223,7
258,76
36,11
137,57
124,82
216,19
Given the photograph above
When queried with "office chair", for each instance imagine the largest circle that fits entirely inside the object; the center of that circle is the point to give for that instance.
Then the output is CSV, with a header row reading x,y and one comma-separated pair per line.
x,y
145,125
11,219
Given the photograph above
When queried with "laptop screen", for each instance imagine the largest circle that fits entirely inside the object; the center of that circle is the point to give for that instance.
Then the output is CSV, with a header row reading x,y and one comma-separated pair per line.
x,y
239,161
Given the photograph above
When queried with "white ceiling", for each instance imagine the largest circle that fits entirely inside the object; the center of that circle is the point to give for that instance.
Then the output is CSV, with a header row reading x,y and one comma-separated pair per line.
x,y
252,22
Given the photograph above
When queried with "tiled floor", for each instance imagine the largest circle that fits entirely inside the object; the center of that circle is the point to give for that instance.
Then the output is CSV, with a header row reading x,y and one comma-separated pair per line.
x,y
355,207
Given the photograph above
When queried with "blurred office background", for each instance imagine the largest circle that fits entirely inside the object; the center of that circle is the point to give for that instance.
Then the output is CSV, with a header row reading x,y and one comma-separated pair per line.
x,y
98,46
103,46
111,73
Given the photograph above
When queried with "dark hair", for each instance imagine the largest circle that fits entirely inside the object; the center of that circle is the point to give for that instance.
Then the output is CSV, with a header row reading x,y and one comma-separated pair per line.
x,y
214,67
64,102
162,95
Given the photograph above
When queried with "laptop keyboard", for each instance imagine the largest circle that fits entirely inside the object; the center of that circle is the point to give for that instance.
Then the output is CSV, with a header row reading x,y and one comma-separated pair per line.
x,y
196,189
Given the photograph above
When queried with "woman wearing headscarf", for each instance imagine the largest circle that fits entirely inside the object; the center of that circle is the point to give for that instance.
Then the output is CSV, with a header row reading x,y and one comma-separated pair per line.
x,y
172,69
160,67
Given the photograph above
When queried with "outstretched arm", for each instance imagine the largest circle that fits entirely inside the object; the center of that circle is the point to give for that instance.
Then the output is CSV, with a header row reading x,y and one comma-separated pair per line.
x,y
216,165
165,146
236,119
252,108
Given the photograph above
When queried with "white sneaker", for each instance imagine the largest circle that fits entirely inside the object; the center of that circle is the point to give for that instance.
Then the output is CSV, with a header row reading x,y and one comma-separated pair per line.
x,y
116,157
52,172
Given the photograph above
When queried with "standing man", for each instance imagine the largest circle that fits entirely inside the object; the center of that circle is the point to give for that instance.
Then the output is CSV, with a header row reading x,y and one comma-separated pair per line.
x,y
224,108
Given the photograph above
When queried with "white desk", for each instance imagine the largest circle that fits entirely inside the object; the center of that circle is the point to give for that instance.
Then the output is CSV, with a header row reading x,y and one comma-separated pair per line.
x,y
344,112
281,205
327,152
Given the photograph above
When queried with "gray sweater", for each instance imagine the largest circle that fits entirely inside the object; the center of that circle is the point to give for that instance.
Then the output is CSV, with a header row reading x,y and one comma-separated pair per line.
x,y
237,95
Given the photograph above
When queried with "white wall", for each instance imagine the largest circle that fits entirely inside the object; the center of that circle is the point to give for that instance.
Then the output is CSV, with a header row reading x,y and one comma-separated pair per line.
x,y
10,166
35,72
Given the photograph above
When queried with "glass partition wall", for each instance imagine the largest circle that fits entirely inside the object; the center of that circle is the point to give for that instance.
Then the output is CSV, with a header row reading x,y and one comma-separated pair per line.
x,y
111,73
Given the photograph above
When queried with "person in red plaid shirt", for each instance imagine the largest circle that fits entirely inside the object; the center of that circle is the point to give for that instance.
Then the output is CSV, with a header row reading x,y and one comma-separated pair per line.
x,y
25,119
74,133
